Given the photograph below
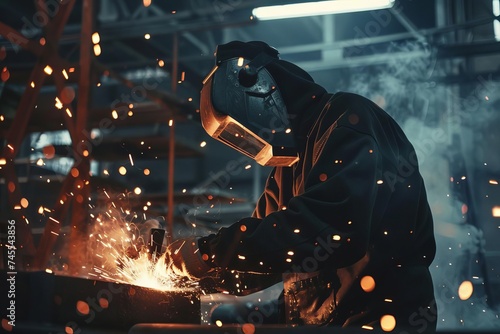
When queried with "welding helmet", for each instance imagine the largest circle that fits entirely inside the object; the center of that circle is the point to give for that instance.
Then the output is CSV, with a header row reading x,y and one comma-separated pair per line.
x,y
242,106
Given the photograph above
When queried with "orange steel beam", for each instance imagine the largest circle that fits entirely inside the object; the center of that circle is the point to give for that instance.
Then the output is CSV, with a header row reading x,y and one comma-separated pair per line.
x,y
24,111
82,186
171,148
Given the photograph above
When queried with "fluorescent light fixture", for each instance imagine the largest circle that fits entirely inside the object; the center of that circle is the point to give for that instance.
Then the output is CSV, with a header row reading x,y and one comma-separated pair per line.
x,y
496,23
319,8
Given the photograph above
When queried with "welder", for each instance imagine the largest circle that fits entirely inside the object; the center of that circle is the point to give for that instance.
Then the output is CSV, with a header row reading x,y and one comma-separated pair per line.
x,y
343,219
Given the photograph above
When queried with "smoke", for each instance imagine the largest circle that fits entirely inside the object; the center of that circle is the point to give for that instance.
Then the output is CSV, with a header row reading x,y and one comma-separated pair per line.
x,y
443,121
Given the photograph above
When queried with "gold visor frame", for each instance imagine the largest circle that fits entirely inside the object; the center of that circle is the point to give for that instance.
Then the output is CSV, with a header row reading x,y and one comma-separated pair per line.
x,y
234,134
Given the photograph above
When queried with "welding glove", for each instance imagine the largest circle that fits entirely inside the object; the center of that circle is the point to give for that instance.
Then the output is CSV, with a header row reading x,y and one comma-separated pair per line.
x,y
184,259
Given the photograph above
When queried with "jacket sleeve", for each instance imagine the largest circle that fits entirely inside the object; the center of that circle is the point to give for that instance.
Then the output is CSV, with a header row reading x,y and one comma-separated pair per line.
x,y
327,225
268,201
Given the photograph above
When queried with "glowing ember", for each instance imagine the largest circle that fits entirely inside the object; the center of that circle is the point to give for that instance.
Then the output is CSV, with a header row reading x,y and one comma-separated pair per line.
x,y
367,283
495,211
122,170
96,38
465,290
118,251
48,70
387,323
58,104
248,328
97,50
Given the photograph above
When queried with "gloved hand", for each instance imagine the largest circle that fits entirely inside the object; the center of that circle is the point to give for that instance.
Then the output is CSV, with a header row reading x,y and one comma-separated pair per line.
x,y
184,259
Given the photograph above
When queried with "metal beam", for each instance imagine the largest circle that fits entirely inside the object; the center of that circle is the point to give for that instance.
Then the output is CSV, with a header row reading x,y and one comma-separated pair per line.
x,y
82,190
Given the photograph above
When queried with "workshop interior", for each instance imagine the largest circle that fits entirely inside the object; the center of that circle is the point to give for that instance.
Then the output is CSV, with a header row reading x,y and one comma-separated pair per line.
x,y
104,161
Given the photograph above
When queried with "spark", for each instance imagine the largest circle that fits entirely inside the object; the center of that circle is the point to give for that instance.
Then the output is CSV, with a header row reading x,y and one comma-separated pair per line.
x,y
97,50
296,230
170,122
203,144
147,172
288,130
32,84
138,191
367,327
3,161
380,181
387,323
54,233
146,3
54,220
122,170
240,61
10,147
65,74
59,104
24,203
69,112
248,166
161,63
48,70
495,182
114,114
495,211
130,158
147,36
96,38
367,283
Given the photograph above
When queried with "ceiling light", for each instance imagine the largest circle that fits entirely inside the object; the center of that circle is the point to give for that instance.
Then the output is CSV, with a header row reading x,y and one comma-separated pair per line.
x,y
319,8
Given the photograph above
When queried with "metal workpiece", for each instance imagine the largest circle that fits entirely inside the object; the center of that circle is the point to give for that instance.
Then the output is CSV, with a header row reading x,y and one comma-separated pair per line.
x,y
51,304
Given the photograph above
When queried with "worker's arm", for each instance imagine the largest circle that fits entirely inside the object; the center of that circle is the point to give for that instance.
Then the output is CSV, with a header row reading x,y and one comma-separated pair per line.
x,y
329,224
268,201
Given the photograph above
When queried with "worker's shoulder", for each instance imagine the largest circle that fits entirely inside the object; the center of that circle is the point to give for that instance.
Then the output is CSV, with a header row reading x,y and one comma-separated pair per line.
x,y
352,101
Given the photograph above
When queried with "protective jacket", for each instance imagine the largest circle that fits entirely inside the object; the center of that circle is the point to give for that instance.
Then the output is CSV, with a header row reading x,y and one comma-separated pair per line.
x,y
348,226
